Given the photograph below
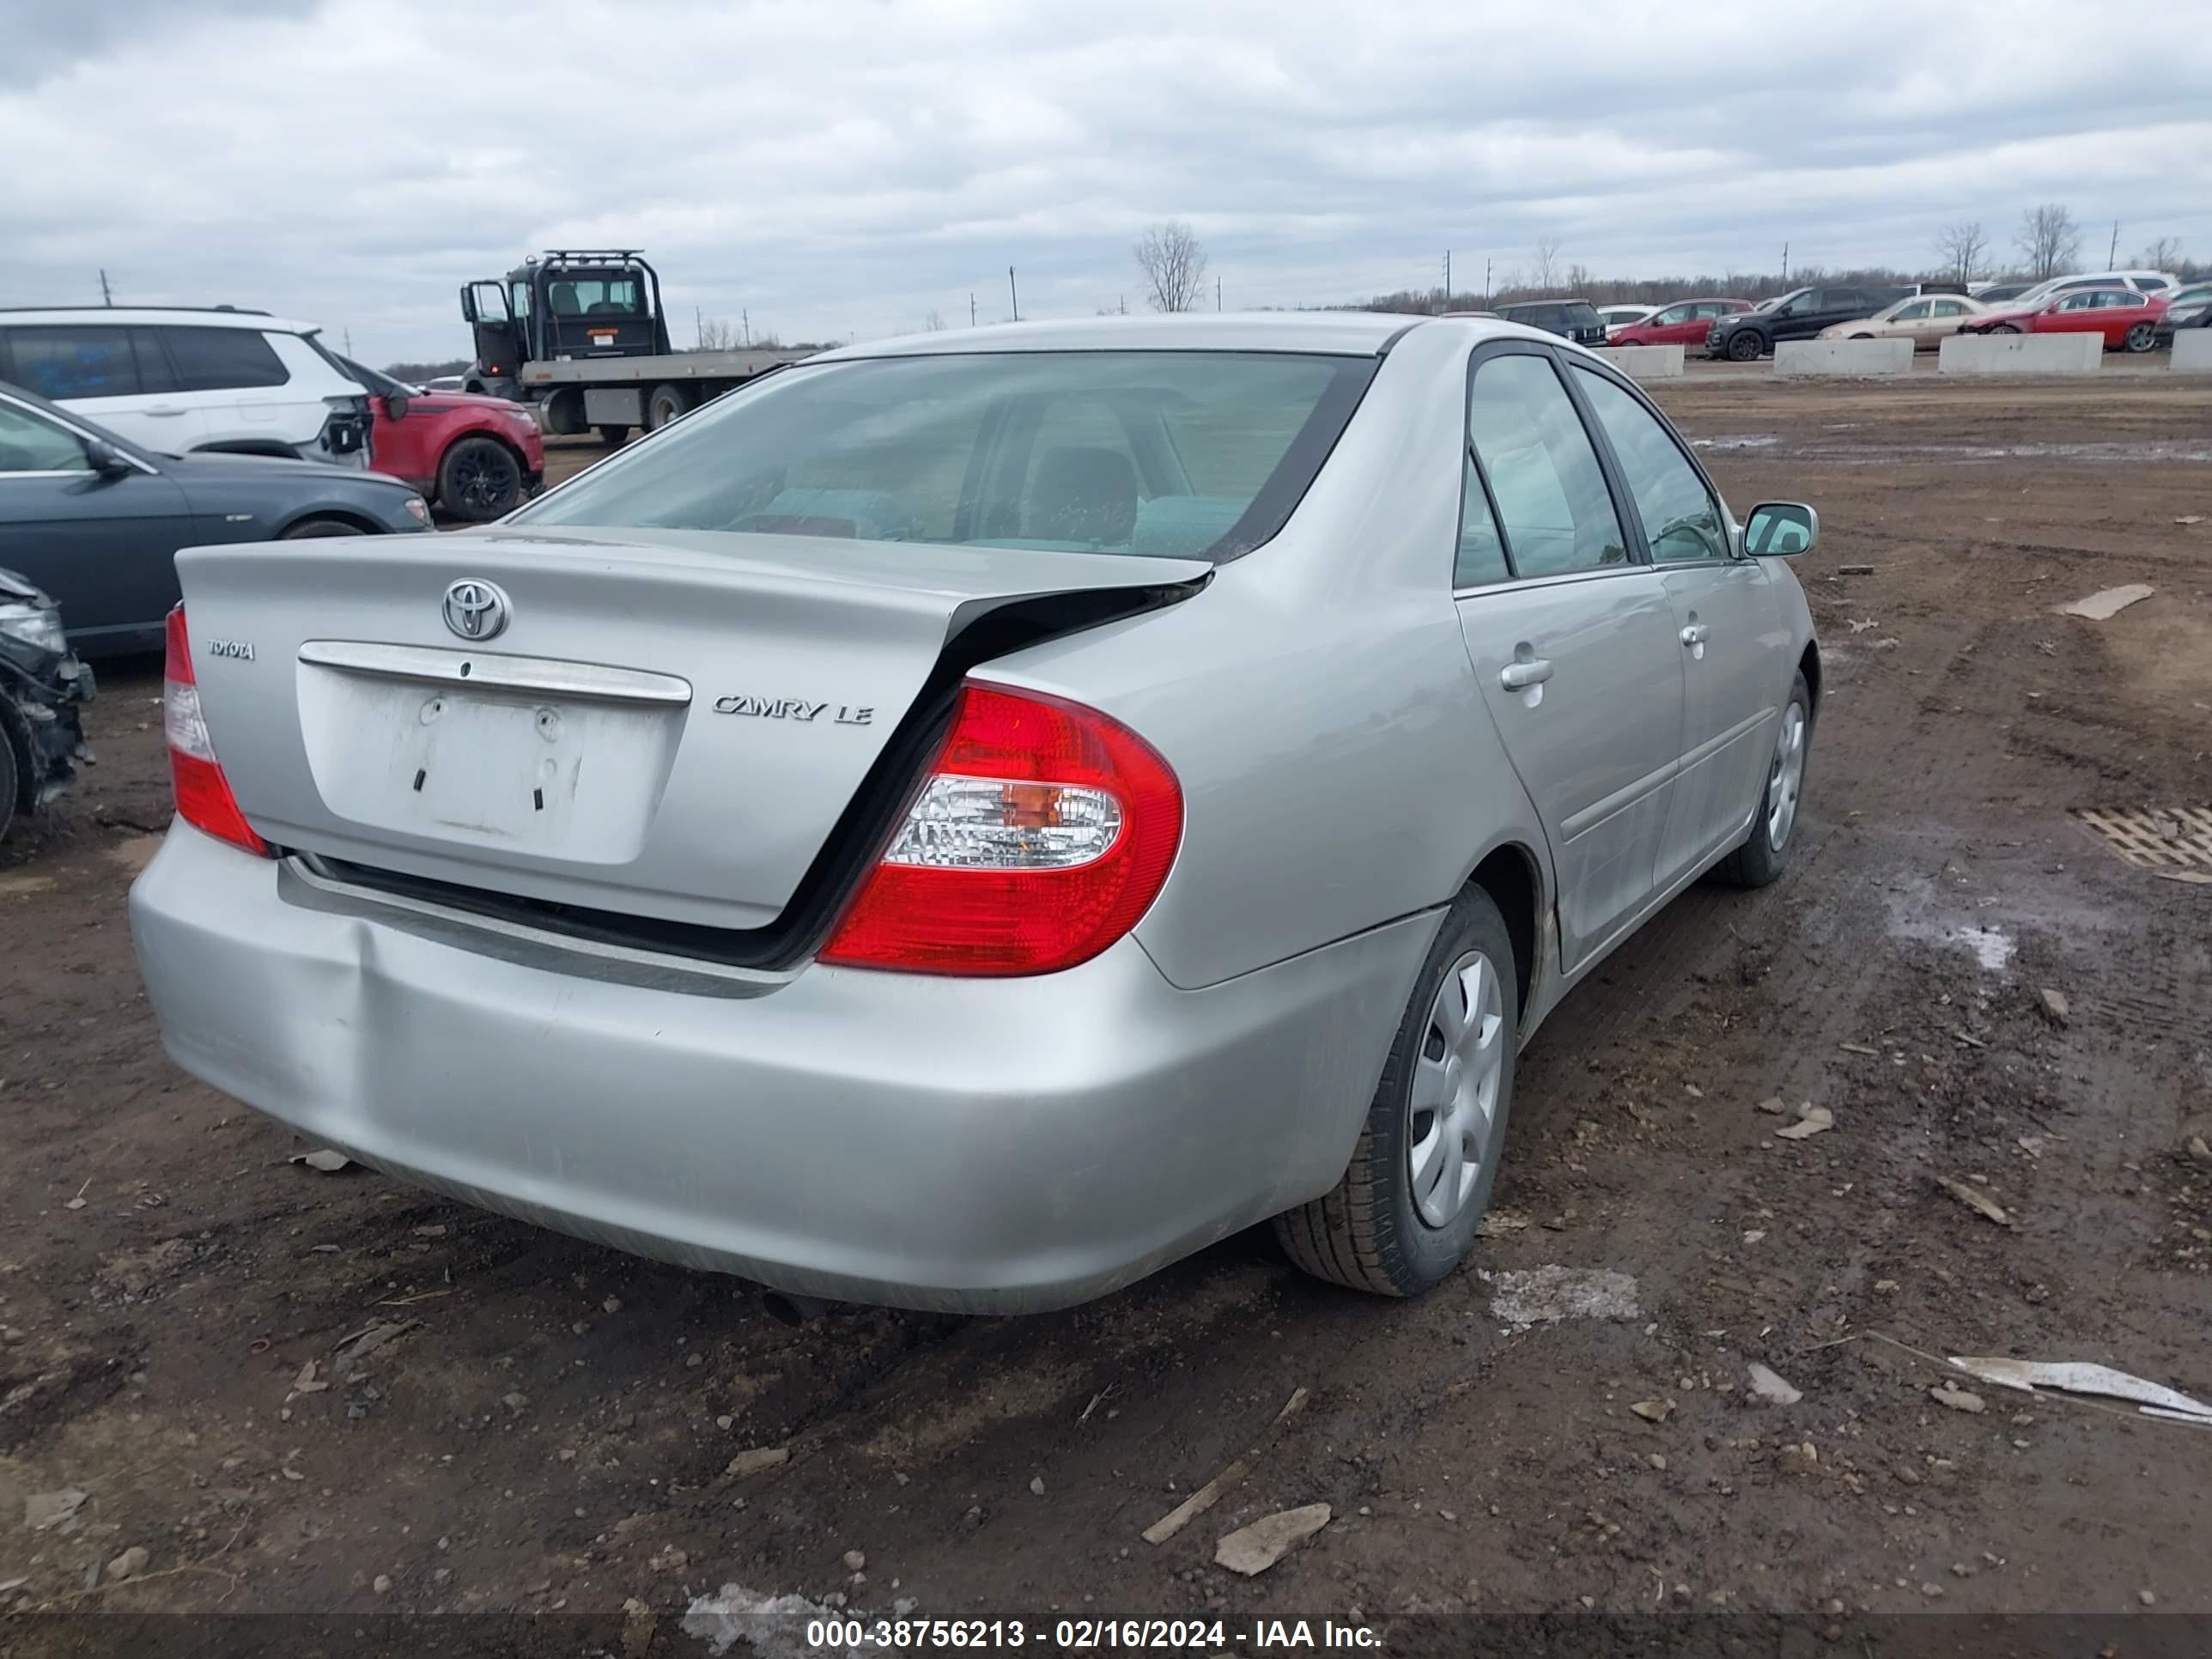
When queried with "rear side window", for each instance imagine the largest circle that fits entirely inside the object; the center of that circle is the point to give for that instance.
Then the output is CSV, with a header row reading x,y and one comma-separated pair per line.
x,y
69,360
221,359
1681,520
1553,503
1167,454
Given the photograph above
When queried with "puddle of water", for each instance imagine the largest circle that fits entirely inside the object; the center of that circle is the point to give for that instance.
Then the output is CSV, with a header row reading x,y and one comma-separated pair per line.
x,y
1992,946
1845,453
1910,918
770,1626
1748,440
1545,1296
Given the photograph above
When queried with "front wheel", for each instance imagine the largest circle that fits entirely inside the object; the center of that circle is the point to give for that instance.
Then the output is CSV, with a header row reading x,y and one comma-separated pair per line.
x,y
663,405
2004,328
1745,346
1862,337
2142,338
307,528
1765,854
1404,1214
479,479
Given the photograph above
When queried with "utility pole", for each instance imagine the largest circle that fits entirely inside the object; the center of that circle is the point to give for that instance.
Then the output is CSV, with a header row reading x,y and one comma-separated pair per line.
x,y
1485,283
106,298
745,321
1785,265
349,340
1014,293
1448,279
698,331
1216,294
971,307
2112,254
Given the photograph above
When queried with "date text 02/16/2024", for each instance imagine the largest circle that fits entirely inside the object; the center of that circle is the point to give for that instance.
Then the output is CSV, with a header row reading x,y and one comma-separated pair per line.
x,y
1081,1634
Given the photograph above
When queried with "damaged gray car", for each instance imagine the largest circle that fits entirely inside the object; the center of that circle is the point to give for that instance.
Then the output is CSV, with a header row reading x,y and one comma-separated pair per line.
x,y
42,688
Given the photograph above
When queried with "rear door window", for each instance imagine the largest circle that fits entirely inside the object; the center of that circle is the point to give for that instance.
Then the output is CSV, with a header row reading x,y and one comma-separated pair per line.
x,y
221,359
69,360
1553,503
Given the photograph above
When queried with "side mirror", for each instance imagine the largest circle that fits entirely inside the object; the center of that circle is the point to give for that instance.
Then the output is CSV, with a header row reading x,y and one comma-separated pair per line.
x,y
468,304
106,459
396,407
1781,530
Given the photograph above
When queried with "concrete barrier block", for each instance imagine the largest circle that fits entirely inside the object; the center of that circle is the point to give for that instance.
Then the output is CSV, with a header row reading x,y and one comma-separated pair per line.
x,y
2192,351
2021,354
1659,362
1844,357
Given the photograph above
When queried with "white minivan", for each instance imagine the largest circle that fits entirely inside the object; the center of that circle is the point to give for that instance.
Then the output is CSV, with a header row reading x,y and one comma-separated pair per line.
x,y
177,379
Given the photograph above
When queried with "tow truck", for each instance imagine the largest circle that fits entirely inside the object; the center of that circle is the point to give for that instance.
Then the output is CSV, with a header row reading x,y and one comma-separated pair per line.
x,y
580,332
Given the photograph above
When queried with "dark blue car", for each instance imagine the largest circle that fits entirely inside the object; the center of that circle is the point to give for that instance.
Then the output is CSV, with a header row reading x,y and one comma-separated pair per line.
x,y
96,521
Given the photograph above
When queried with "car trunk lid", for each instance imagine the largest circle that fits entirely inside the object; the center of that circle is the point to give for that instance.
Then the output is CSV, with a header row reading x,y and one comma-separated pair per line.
x,y
667,724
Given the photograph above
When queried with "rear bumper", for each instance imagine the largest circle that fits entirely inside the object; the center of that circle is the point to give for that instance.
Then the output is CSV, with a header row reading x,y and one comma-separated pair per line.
x,y
972,1145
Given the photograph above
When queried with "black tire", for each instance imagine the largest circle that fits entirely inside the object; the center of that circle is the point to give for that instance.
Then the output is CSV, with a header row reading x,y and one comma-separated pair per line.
x,y
311,527
11,782
665,405
614,437
1862,337
1366,1232
2002,328
1744,346
2142,338
479,479
1759,861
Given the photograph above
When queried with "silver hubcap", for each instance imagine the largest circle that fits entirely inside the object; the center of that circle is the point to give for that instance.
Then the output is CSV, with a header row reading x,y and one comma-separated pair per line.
x,y
1454,1095
1785,778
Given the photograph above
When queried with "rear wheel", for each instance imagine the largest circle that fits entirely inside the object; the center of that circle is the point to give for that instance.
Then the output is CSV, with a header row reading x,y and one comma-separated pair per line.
x,y
664,405
614,436
1404,1214
1766,852
307,527
2004,328
2142,338
479,479
1745,346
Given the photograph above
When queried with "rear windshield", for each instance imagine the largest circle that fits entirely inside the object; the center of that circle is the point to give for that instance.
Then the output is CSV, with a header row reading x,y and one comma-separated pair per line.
x,y
1578,315
1169,454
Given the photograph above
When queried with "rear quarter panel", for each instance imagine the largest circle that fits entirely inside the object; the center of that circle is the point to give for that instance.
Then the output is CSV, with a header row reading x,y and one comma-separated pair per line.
x,y
1340,768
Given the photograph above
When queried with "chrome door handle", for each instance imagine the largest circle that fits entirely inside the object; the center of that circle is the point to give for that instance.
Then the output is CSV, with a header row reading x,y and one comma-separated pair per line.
x,y
164,411
1520,675
1694,634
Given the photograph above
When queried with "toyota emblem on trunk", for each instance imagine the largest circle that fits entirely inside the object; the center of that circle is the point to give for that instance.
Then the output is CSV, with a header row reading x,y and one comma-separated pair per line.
x,y
476,610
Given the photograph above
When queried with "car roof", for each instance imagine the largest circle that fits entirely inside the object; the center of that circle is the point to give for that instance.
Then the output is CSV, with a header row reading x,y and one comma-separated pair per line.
x,y
1332,333
189,316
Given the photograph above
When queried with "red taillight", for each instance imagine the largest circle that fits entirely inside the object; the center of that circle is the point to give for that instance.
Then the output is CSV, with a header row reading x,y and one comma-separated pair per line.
x,y
1042,833
203,797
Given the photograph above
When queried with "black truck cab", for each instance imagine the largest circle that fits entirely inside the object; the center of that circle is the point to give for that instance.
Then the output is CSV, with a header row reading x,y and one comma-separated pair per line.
x,y
564,305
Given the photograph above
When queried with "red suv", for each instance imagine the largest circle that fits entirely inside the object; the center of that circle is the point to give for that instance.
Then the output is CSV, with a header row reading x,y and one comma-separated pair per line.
x,y
1683,323
470,457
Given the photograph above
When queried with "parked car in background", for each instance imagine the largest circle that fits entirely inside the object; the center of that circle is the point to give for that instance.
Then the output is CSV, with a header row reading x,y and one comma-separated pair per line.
x,y
2155,283
2127,321
1616,318
1924,321
1682,323
1798,315
446,383
176,381
473,457
43,687
2189,307
1571,320
1991,293
96,520
980,739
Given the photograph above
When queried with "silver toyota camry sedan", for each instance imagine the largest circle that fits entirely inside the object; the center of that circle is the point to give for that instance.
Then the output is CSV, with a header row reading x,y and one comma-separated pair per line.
x,y
966,821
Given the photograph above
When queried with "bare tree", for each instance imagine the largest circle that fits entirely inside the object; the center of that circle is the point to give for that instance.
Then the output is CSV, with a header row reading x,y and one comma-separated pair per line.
x,y
717,335
1963,249
1173,266
2049,238
2164,254
934,321
1579,278
1547,263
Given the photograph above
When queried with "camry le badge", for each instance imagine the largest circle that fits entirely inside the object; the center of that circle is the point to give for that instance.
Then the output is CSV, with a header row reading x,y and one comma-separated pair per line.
x,y
475,610
793,708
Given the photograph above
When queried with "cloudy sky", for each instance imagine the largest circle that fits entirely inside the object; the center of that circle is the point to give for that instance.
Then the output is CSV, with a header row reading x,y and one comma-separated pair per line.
x,y
845,167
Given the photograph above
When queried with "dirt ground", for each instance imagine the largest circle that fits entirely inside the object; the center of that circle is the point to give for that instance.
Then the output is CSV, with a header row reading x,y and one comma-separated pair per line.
x,y
551,1427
